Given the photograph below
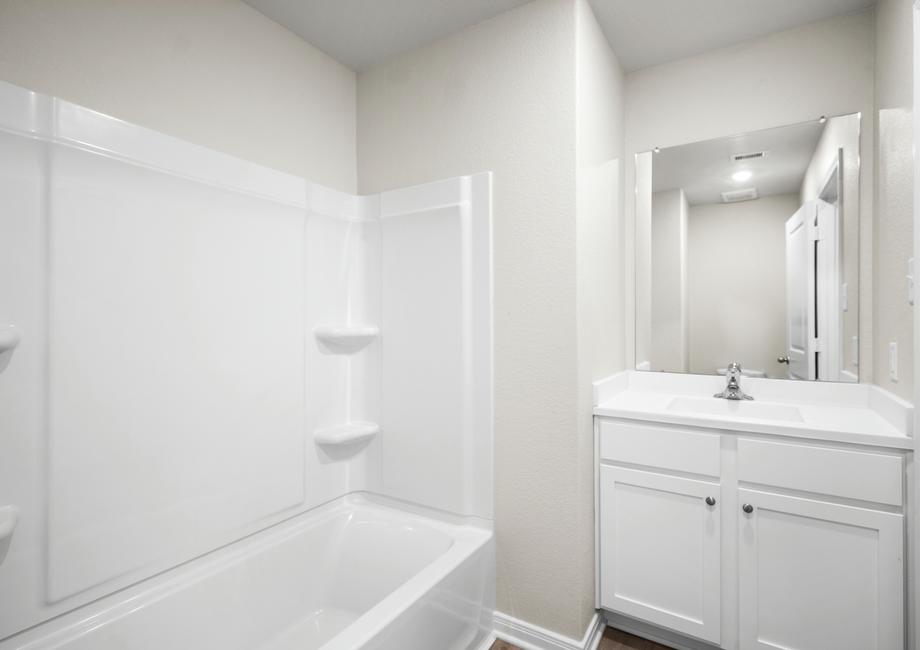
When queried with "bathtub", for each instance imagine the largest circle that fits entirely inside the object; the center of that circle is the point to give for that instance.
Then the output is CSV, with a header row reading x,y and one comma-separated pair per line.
x,y
357,573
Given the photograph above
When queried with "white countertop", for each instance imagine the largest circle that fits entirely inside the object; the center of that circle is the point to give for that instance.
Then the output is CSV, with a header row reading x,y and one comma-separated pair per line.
x,y
853,413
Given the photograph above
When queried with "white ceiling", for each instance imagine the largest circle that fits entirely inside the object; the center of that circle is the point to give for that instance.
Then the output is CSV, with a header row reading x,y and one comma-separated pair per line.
x,y
704,169
361,33
648,32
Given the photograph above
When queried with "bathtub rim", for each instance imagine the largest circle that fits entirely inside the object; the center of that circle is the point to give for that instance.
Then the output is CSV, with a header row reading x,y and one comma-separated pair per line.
x,y
467,540
468,534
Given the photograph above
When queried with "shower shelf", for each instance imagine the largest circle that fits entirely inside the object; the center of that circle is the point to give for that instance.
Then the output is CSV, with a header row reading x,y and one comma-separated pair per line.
x,y
346,339
9,338
345,434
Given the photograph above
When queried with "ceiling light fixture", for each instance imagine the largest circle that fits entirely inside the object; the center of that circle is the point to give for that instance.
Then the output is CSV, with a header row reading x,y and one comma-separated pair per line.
x,y
822,119
741,176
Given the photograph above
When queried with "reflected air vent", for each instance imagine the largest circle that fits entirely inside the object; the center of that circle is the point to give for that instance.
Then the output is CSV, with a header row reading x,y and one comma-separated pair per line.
x,y
751,155
734,196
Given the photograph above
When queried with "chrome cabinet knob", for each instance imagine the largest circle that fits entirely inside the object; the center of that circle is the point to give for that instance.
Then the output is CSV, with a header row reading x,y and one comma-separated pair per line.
x,y
784,359
748,508
710,501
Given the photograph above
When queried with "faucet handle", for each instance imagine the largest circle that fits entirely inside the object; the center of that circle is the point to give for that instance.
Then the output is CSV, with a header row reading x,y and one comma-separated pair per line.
x,y
733,372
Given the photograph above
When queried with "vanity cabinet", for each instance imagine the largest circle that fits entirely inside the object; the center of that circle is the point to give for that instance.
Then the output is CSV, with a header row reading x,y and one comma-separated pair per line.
x,y
814,574
751,542
663,562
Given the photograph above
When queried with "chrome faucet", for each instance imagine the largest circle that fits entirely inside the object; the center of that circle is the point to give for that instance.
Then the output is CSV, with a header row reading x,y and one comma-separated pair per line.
x,y
733,384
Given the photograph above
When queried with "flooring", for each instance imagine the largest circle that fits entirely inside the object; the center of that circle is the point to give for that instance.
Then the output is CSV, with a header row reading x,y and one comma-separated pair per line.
x,y
613,640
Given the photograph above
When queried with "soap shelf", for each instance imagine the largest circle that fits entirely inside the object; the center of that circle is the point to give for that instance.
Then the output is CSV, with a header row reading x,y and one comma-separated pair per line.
x,y
9,338
346,434
9,517
346,339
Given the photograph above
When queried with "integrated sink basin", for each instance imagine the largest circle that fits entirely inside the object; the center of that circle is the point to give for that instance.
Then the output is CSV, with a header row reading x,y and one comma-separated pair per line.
x,y
738,409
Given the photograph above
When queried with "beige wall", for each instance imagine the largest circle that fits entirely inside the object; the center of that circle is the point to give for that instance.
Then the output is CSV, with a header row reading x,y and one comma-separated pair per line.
x,y
737,283
599,244
641,253
893,238
503,96
669,327
825,68
214,72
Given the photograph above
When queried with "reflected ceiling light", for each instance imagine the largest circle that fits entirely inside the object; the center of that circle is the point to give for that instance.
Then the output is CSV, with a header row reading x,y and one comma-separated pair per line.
x,y
741,176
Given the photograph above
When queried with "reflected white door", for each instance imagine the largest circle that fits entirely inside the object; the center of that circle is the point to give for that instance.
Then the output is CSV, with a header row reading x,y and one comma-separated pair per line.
x,y
812,297
800,293
829,346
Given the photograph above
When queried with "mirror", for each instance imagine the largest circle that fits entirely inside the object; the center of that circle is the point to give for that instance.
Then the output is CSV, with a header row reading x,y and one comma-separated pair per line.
x,y
747,249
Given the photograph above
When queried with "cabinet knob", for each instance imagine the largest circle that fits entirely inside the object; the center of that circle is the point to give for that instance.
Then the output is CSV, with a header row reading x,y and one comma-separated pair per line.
x,y
748,508
710,501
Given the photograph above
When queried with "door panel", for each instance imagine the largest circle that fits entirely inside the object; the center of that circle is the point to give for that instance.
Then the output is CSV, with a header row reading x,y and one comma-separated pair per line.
x,y
827,293
660,554
816,575
800,293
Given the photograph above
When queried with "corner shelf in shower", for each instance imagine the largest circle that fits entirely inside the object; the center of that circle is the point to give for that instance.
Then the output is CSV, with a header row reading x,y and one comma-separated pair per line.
x,y
345,339
346,434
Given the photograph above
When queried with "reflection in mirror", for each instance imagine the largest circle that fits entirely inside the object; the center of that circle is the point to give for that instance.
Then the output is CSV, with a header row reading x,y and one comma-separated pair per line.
x,y
747,249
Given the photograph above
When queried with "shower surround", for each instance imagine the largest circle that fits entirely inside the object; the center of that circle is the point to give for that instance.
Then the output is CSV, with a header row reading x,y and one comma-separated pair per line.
x,y
217,364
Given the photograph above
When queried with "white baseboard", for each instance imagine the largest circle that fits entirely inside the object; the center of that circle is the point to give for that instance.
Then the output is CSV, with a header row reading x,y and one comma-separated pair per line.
x,y
487,642
532,637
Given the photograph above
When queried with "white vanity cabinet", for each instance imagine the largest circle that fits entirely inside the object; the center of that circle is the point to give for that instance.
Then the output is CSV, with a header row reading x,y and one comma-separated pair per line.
x,y
750,541
663,556
814,574
822,568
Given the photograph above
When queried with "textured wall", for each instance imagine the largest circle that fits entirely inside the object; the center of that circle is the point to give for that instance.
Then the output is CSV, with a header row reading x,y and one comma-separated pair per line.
x,y
893,191
501,96
600,103
213,72
669,327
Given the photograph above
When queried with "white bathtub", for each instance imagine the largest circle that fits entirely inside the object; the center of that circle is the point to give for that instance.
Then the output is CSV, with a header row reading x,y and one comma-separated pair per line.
x,y
357,573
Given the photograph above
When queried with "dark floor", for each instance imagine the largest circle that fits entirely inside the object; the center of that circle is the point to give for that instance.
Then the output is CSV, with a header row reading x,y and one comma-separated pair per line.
x,y
613,640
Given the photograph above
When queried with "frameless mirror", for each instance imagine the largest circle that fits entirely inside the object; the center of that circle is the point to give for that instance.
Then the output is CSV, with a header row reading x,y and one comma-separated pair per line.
x,y
747,249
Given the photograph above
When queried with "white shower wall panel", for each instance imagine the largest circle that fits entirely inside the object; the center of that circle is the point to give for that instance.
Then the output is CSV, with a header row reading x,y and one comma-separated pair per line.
x,y
437,354
22,173
157,406
175,366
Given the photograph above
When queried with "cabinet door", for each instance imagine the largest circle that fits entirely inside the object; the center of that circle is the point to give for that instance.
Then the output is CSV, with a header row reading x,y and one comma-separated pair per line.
x,y
660,550
816,575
